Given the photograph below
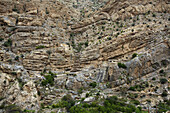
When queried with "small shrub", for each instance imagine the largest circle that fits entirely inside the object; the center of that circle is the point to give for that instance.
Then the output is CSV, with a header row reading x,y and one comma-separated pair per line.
x,y
132,88
48,52
163,80
103,27
146,84
2,106
80,91
148,12
117,22
46,11
98,93
149,101
82,99
44,82
42,105
153,78
161,71
10,60
15,9
132,96
133,24
154,15
87,95
39,93
108,85
86,44
109,38
134,55
150,2
164,94
67,98
21,83
140,108
8,43
79,47
49,79
1,39
136,102
99,37
22,56
40,47
137,17
121,25
13,73
29,111
121,65
17,58
93,84
1,98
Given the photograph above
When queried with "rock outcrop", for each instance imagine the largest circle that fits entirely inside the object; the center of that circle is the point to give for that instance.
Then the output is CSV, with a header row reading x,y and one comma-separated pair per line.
x,y
51,48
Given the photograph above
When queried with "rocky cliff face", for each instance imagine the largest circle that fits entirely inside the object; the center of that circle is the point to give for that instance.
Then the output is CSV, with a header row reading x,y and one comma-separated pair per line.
x,y
120,46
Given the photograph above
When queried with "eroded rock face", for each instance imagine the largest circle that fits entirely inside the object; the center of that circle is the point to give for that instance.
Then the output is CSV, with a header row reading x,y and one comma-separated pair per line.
x,y
115,10
12,91
82,48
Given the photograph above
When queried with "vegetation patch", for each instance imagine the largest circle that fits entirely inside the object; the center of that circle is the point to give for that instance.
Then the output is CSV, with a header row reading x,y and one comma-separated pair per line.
x,y
134,55
93,84
163,107
40,47
21,83
8,43
17,58
13,73
110,105
121,65
49,79
13,109
163,80
1,39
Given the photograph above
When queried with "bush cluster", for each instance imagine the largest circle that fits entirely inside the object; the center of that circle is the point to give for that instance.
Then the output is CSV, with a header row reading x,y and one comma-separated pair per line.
x,y
163,107
8,43
140,87
134,55
163,80
93,84
121,65
67,102
49,79
111,105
